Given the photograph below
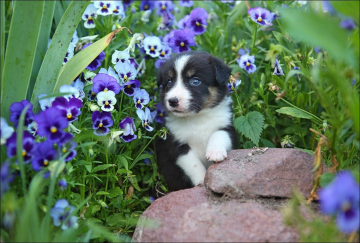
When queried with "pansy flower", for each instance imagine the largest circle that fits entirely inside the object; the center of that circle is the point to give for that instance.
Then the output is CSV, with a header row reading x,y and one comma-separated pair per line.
x,y
242,51
69,53
60,215
28,146
120,56
186,3
79,85
182,40
32,128
16,108
111,73
233,85
104,8
130,87
5,130
74,92
160,113
62,184
168,36
341,198
106,100
101,122
162,6
141,67
197,20
165,51
129,129
141,98
67,144
152,46
158,63
104,83
181,24
146,15
44,153
70,109
348,24
51,123
89,16
118,8
260,16
166,20
146,5
127,3
247,62
133,63
91,95
97,61
74,39
278,70
126,71
5,177
45,103
145,117
297,75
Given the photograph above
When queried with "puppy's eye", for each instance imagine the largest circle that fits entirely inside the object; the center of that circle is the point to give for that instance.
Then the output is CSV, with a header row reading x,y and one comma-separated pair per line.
x,y
169,83
194,82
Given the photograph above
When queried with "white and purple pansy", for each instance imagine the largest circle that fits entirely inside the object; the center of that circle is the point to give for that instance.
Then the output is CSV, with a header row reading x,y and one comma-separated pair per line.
x,y
74,39
5,130
69,53
162,6
146,118
129,129
78,84
131,86
233,85
32,128
278,70
110,72
106,100
67,144
60,214
260,16
118,8
247,63
152,46
70,109
45,103
167,20
141,67
97,61
44,153
165,51
120,56
134,63
104,83
197,21
104,7
146,15
74,92
186,3
126,71
101,122
89,16
141,98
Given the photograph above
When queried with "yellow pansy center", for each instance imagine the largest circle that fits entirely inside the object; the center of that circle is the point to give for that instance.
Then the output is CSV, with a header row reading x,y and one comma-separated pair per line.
x,y
162,53
163,7
92,93
46,162
152,48
259,19
345,206
182,44
248,64
64,150
125,77
138,101
106,103
69,115
146,7
104,7
90,18
100,125
129,86
23,153
53,129
161,114
145,124
197,23
105,90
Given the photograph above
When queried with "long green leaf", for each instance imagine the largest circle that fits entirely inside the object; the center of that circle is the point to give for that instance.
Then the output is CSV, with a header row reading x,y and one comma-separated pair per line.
x,y
54,57
348,8
2,29
42,44
20,54
80,61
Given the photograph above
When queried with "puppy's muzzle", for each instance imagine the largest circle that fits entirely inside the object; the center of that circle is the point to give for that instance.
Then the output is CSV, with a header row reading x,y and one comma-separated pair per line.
x,y
174,102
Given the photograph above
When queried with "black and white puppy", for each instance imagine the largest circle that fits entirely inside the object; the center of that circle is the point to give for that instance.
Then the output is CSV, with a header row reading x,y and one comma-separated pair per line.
x,y
193,90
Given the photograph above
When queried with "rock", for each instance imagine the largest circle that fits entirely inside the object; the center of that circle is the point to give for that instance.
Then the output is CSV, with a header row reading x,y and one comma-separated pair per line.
x,y
191,216
272,173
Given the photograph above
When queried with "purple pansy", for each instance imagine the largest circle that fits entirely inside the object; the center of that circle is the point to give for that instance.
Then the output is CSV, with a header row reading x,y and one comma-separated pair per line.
x,y
51,123
182,40
5,177
162,6
241,51
168,36
44,153
89,16
141,98
91,96
129,129
28,146
261,16
341,198
130,87
158,63
62,184
105,83
160,113
126,71
167,20
60,215
145,117
67,144
165,51
146,5
197,21
297,75
133,62
278,70
97,61
127,3
181,24
104,7
348,24
353,82
247,62
186,3
16,108
70,109
110,72
328,8
101,122
232,86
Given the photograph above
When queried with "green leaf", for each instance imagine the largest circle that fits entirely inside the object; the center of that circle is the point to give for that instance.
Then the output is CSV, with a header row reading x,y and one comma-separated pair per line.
x,y
294,112
350,8
54,57
326,178
100,193
95,208
81,60
115,192
2,29
114,219
250,125
101,167
141,157
309,28
20,54
124,162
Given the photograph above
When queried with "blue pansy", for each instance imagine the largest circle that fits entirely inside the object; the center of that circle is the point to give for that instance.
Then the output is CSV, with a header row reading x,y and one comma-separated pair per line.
x,y
60,214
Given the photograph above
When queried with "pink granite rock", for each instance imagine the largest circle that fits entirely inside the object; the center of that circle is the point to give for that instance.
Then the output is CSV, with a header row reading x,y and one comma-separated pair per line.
x,y
191,216
272,173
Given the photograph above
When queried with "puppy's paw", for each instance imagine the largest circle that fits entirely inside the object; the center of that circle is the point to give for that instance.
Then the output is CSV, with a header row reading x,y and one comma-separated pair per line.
x,y
216,154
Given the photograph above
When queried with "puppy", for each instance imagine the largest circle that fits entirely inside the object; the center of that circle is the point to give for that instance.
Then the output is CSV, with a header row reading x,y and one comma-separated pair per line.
x,y
193,90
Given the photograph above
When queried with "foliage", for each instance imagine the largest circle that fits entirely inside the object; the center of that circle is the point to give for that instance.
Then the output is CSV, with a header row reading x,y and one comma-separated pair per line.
x,y
111,182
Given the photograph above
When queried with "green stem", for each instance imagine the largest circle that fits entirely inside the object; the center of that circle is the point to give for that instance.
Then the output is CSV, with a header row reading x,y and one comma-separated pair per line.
x,y
238,101
135,160
301,135
107,173
254,37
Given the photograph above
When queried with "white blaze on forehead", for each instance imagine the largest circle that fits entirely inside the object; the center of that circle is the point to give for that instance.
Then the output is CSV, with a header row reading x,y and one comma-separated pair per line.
x,y
179,90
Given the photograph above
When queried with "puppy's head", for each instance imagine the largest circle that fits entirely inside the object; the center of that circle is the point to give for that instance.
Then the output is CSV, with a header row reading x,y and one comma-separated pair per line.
x,y
191,82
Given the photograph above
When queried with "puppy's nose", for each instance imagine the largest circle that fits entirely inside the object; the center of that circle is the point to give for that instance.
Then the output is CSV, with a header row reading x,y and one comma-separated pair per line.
x,y
173,102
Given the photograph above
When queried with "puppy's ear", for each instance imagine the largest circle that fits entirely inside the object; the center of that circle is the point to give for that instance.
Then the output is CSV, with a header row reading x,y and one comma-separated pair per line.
x,y
222,71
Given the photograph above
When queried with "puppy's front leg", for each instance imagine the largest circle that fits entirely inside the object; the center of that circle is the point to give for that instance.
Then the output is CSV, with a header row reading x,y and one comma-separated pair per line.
x,y
219,143
192,167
